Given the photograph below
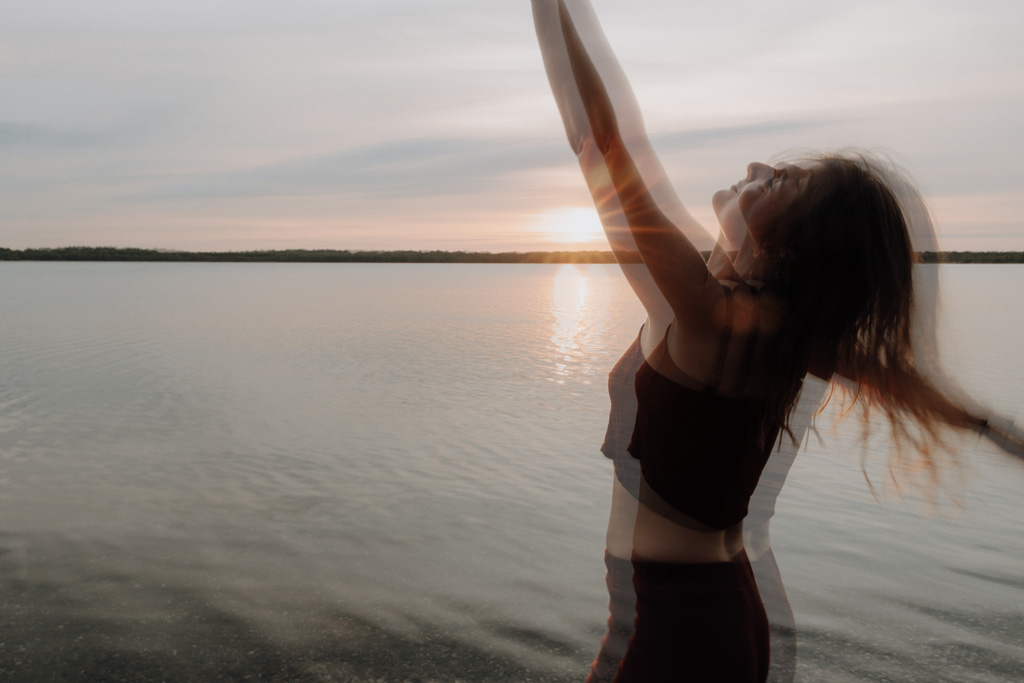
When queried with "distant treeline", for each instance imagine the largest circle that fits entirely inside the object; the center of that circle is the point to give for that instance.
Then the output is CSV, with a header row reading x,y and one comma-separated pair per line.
x,y
404,256
972,256
304,256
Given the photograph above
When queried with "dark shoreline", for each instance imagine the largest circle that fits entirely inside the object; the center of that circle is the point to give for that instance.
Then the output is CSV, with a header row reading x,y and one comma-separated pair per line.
x,y
400,256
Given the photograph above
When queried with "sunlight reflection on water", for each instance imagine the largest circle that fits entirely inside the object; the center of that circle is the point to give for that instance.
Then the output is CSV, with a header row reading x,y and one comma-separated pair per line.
x,y
570,293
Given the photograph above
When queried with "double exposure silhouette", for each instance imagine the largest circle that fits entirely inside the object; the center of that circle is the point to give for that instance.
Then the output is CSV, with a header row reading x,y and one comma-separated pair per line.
x,y
810,285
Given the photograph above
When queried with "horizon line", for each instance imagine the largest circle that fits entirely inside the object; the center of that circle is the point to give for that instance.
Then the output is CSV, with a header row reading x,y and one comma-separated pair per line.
x,y
582,256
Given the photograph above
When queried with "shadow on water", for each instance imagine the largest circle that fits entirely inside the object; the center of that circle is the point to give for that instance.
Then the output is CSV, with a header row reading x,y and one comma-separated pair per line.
x,y
94,623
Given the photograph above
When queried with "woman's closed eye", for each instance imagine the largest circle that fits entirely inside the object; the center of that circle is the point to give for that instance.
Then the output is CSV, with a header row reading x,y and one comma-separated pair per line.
x,y
779,176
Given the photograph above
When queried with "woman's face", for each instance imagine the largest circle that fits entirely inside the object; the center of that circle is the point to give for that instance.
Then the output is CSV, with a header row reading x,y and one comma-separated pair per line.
x,y
753,205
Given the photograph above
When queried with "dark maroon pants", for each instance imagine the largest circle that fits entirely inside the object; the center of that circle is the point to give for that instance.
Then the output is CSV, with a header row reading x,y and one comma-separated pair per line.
x,y
696,622
621,619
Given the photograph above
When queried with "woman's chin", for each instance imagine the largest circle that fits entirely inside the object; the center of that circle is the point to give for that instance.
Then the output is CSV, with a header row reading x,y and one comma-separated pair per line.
x,y
721,198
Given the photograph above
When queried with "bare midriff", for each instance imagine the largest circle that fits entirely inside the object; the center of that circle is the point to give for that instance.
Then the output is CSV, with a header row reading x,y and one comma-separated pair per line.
x,y
663,533
658,539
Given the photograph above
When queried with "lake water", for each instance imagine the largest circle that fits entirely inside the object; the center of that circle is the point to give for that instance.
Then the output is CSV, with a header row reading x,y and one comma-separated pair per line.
x,y
390,472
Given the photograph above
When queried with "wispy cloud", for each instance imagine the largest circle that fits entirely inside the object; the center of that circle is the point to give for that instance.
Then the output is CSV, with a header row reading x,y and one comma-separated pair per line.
x,y
701,137
400,168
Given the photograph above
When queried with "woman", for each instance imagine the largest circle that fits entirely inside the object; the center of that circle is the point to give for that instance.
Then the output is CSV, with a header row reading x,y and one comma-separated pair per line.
x,y
813,270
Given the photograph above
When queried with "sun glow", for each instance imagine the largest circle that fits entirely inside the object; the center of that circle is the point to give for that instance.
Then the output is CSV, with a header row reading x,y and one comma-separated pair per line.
x,y
573,224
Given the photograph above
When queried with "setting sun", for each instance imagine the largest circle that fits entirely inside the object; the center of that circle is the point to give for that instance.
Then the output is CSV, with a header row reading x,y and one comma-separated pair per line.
x,y
569,224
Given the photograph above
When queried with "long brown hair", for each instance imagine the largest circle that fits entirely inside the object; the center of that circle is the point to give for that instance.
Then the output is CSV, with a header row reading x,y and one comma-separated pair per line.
x,y
846,274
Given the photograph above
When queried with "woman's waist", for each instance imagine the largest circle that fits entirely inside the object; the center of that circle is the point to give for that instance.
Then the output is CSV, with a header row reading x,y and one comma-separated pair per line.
x,y
659,539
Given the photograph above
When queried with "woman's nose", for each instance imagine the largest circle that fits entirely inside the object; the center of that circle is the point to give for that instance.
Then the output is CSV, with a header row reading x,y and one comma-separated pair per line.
x,y
757,170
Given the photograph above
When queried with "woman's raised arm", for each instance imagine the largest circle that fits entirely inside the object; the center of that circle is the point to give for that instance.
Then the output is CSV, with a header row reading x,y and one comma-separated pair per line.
x,y
597,119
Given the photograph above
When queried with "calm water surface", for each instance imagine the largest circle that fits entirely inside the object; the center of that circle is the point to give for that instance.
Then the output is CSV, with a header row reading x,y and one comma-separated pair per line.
x,y
390,472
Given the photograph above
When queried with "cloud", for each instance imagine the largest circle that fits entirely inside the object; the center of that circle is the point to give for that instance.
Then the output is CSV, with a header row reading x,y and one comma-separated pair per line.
x,y
41,138
701,137
400,168
424,166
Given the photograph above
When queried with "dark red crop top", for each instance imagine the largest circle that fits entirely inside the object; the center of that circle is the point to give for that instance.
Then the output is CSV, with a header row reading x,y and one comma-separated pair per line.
x,y
699,451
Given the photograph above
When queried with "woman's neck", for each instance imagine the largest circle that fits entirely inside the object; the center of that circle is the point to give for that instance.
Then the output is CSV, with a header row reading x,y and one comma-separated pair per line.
x,y
746,263
752,263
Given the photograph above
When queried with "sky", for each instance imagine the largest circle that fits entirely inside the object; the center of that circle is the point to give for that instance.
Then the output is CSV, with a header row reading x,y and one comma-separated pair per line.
x,y
405,124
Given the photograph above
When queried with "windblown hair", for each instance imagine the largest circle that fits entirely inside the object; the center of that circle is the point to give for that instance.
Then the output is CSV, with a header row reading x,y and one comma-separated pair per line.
x,y
846,275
